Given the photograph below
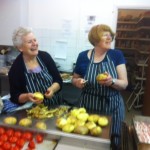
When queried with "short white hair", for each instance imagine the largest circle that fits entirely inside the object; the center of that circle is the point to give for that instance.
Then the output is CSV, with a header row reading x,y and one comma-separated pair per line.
x,y
18,35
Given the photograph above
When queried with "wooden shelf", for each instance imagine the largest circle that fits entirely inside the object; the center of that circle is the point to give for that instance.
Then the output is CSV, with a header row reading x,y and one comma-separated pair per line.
x,y
140,78
126,48
127,22
124,38
127,30
133,38
142,65
144,18
144,52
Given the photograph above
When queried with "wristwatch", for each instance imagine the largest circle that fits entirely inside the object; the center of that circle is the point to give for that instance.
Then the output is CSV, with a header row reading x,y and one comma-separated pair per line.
x,y
113,82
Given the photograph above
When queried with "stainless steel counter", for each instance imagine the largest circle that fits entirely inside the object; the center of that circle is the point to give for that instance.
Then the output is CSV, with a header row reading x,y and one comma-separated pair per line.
x,y
52,133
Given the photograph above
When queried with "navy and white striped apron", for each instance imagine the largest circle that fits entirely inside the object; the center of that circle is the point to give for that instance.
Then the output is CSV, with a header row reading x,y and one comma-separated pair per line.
x,y
39,82
101,99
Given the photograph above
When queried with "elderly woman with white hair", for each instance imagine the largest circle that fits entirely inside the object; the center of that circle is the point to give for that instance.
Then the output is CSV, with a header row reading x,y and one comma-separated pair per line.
x,y
33,71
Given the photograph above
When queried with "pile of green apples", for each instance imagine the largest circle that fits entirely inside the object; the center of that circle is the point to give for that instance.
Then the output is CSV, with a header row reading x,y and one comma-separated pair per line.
x,y
80,122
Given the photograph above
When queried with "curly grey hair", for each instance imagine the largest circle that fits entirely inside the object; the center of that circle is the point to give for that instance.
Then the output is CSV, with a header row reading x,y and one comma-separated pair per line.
x,y
18,35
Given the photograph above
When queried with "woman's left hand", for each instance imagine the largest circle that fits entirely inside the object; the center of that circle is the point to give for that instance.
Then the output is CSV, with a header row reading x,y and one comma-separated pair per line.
x,y
49,93
107,81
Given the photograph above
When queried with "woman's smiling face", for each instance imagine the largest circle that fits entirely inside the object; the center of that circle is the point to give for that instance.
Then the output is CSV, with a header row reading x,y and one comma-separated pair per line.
x,y
105,41
30,45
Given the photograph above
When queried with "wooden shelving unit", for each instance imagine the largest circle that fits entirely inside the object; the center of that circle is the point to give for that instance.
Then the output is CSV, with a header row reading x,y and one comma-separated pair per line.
x,y
133,38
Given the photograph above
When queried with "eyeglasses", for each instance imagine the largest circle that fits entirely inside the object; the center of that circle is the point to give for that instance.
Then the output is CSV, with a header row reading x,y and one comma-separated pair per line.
x,y
107,35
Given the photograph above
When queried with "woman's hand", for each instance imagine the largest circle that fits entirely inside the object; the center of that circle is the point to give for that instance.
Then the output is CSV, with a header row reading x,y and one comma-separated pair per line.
x,y
49,93
107,81
26,97
30,97
51,90
80,83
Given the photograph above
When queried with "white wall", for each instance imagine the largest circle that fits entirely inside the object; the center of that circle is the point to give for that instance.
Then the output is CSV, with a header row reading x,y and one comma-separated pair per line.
x,y
61,25
13,13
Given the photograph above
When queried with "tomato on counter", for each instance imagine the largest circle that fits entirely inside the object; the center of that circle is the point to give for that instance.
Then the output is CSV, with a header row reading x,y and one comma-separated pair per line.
x,y
10,132
27,136
39,138
2,130
18,134
31,144
13,139
6,146
4,137
1,143
15,148
20,143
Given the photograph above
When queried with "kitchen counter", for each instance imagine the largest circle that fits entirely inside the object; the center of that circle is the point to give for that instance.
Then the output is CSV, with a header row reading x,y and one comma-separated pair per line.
x,y
53,133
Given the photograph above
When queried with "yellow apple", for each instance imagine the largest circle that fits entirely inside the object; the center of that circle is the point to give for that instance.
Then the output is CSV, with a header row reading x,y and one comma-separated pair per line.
x,y
81,130
38,96
41,125
60,122
79,123
103,121
101,76
74,112
68,128
90,125
71,119
93,118
82,110
96,131
25,122
10,120
83,116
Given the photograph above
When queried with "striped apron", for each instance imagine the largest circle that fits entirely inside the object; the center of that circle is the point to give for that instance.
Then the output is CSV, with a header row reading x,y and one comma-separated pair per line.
x,y
39,82
101,99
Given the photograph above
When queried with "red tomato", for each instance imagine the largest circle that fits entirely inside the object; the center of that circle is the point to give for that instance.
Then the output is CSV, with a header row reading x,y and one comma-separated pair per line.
x,y
10,132
21,143
2,130
17,134
28,136
15,148
6,145
39,138
31,144
4,137
13,139
1,143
